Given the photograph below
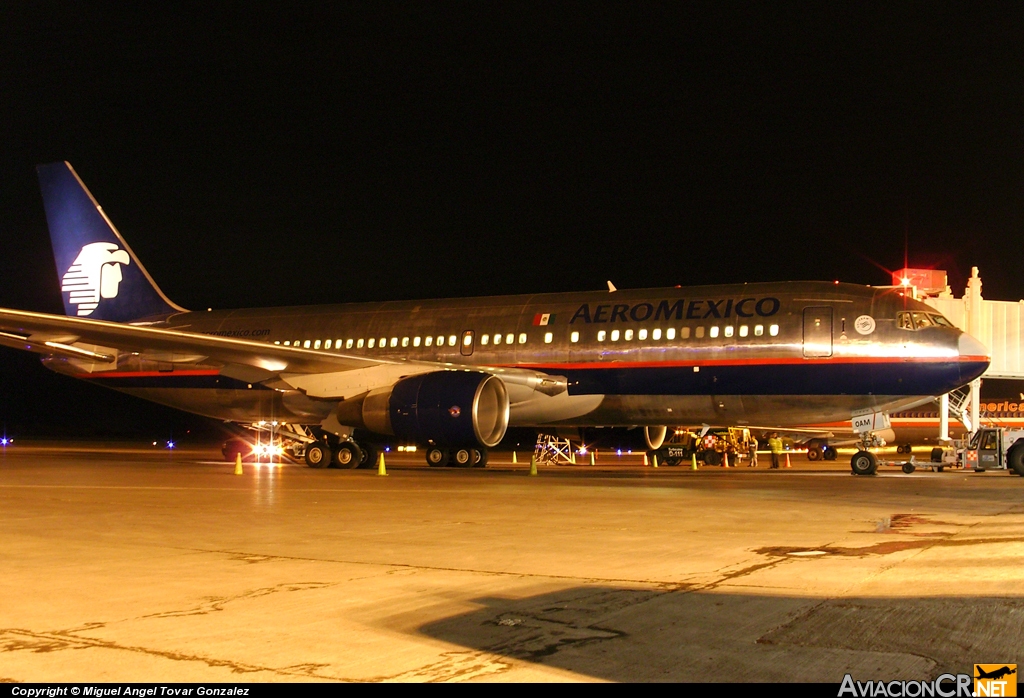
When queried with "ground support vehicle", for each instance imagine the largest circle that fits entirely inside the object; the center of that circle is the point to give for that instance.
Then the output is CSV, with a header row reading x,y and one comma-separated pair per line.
x,y
995,448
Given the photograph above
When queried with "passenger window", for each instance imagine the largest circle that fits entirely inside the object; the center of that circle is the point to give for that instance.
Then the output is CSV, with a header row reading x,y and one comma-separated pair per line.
x,y
773,330
574,337
296,343
758,330
429,341
497,338
714,331
348,343
415,341
601,334
440,341
467,338
327,344
316,344
484,338
287,343
452,340
394,341
510,338
744,331
656,334
641,335
383,343
277,341
699,332
548,337
405,341
628,335
371,343
359,344
615,335
670,333
728,330
684,333
305,345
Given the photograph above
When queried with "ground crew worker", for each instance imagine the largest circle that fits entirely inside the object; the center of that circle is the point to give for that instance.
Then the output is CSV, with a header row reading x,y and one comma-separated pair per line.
x,y
775,444
752,450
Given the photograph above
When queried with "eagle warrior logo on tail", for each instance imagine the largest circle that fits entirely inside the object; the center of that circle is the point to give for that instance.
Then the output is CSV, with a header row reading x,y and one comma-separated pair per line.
x,y
95,274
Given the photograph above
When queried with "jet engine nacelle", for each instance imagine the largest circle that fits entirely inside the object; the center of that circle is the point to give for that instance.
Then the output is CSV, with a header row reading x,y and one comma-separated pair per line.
x,y
447,408
634,438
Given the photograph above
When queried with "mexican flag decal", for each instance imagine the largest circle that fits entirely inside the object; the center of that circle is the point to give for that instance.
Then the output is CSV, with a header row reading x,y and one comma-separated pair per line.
x,y
543,319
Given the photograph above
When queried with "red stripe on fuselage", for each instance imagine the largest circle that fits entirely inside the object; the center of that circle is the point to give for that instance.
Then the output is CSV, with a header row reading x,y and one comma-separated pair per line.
x,y
148,374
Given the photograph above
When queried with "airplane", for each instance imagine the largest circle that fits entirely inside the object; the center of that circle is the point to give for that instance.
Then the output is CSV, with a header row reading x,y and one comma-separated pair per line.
x,y
454,375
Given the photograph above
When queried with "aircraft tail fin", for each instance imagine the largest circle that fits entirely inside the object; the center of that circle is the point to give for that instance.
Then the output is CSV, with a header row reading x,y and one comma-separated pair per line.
x,y
100,276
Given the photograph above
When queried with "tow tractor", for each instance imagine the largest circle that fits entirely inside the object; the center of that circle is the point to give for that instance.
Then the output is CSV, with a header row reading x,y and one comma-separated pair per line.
x,y
995,448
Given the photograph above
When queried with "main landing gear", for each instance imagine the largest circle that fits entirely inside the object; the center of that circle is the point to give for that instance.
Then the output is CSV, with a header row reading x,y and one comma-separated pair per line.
x,y
343,454
438,457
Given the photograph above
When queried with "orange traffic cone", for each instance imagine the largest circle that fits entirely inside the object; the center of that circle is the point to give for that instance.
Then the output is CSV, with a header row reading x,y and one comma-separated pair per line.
x,y
787,460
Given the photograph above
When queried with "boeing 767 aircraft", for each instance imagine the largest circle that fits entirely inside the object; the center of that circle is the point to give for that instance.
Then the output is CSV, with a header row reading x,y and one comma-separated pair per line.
x,y
454,374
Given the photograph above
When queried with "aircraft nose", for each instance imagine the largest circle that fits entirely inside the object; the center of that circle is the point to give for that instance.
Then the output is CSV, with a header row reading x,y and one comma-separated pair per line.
x,y
974,357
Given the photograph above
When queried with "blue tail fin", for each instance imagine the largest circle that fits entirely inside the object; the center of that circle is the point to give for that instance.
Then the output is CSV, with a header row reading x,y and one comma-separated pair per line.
x,y
100,276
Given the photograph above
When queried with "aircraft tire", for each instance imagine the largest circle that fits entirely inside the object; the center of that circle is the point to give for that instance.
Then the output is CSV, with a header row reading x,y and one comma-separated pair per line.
x,y
318,455
936,455
830,454
437,457
368,456
462,457
479,457
1015,460
814,453
346,456
864,463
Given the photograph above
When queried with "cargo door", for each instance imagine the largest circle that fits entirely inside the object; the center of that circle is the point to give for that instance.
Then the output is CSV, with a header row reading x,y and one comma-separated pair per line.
x,y
818,331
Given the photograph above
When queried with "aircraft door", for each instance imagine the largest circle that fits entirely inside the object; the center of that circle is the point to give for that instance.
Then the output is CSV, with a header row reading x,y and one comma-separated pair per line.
x,y
818,331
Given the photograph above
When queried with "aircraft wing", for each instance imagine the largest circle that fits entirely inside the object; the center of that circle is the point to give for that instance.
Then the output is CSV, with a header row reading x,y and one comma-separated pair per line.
x,y
318,373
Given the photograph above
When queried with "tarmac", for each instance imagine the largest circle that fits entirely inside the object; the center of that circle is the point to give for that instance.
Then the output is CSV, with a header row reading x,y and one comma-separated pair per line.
x,y
130,563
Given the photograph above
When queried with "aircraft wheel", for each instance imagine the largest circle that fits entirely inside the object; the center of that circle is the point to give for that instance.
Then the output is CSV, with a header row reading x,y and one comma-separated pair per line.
x,y
369,456
1015,460
864,463
830,454
908,468
347,455
814,453
462,457
936,455
318,455
437,457
479,457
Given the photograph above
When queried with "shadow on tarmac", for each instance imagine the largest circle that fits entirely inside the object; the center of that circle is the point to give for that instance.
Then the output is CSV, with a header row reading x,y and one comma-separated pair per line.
x,y
680,634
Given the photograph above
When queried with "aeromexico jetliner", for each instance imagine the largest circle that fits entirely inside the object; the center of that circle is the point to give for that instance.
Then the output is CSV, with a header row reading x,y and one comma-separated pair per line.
x,y
454,374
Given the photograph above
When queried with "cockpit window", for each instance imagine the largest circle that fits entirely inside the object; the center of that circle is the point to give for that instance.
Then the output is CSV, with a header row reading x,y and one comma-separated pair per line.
x,y
918,320
922,320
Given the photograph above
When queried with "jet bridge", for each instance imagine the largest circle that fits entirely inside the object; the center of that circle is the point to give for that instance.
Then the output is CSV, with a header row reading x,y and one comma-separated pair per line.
x,y
999,325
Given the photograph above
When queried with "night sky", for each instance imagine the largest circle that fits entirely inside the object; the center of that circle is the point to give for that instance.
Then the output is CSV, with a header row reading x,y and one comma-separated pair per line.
x,y
302,155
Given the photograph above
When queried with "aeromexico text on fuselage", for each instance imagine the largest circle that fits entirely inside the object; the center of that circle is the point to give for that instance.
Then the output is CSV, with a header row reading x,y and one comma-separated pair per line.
x,y
679,309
